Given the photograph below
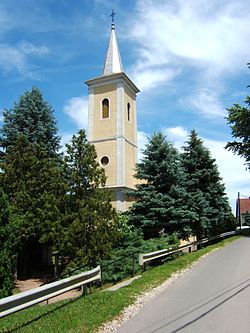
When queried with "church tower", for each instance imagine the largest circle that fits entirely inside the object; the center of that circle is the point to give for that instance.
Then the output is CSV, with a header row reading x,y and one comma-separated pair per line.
x,y
112,123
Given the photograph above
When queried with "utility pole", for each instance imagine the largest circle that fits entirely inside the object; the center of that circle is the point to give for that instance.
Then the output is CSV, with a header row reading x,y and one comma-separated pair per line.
x,y
239,209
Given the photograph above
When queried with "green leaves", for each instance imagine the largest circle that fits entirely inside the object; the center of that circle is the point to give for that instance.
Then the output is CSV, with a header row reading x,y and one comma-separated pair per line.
x,y
239,121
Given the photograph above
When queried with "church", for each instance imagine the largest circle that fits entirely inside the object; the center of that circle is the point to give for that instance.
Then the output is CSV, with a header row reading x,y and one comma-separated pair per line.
x,y
112,124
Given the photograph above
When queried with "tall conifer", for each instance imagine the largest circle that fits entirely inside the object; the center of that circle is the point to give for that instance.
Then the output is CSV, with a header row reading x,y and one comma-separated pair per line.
x,y
206,192
90,229
32,117
160,198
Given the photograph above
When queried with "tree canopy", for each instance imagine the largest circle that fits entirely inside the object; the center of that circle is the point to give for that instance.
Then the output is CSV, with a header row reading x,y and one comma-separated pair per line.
x,y
160,198
32,117
90,230
239,121
206,192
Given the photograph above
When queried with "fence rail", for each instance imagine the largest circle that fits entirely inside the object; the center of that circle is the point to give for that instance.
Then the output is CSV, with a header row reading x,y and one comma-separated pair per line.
x,y
146,257
28,298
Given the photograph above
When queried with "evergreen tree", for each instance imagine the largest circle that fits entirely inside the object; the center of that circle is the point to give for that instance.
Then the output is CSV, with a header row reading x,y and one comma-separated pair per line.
x,y
206,193
33,117
6,262
91,220
160,203
35,185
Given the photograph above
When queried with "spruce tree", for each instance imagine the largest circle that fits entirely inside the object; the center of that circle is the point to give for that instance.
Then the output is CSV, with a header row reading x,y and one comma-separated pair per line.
x,y
206,193
160,203
6,260
35,185
91,221
32,117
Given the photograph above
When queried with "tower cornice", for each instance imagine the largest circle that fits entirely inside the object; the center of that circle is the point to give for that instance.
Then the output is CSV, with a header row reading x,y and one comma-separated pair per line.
x,y
107,79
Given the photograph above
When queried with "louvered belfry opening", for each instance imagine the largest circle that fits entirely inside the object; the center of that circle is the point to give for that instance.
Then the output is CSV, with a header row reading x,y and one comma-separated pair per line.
x,y
105,108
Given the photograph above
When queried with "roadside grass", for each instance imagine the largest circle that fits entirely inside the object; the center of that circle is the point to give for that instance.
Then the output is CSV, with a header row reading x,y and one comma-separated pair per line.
x,y
86,314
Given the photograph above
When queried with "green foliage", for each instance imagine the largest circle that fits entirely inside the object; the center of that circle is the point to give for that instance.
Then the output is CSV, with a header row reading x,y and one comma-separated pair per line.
x,y
34,183
239,121
6,262
32,117
90,227
161,197
123,261
206,194
247,219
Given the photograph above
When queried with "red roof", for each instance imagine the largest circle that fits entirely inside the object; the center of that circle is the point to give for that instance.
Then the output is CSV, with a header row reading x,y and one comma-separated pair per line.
x,y
244,205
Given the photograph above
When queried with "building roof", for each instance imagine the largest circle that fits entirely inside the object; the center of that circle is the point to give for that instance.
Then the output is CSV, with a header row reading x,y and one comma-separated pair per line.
x,y
244,205
113,62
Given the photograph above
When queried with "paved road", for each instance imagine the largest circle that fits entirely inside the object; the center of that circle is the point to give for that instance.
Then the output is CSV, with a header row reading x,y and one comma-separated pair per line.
x,y
212,297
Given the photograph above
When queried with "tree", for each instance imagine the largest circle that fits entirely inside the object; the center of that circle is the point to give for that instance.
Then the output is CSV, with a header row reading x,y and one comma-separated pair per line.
x,y
206,194
160,203
34,182
32,117
91,221
239,121
6,262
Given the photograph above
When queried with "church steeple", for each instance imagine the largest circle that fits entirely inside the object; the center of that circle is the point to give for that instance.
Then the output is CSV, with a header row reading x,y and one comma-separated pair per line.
x,y
112,124
113,63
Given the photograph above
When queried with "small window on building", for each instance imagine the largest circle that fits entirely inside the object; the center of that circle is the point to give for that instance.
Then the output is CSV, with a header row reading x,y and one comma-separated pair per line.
x,y
105,108
104,161
128,112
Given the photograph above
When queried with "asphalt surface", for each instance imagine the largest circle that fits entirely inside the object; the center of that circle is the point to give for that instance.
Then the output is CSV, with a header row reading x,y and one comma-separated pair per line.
x,y
213,296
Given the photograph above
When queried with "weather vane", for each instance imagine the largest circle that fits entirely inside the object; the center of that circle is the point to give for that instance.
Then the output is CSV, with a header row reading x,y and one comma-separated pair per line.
x,y
113,16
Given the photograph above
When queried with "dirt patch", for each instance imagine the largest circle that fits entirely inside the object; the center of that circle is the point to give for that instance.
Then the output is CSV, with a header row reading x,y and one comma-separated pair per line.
x,y
24,285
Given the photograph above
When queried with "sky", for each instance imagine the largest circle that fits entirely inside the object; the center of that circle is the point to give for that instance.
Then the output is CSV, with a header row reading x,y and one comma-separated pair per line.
x,y
188,58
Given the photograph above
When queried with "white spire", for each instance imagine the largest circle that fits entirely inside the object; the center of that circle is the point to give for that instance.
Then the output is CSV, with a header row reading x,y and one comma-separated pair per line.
x,y
113,63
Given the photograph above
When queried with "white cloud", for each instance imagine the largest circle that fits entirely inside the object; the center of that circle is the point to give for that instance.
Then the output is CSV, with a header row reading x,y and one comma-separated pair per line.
x,y
178,135
207,103
149,78
77,109
212,37
17,58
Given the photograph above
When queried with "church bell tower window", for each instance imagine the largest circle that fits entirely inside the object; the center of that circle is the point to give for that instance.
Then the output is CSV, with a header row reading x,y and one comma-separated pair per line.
x,y
128,112
105,108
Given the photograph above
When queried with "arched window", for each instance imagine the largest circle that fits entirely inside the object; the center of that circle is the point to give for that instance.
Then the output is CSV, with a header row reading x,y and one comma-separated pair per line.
x,y
105,108
128,112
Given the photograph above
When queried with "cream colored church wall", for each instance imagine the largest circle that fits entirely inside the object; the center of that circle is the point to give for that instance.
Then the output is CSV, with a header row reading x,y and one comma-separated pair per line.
x,y
130,165
108,149
130,132
104,127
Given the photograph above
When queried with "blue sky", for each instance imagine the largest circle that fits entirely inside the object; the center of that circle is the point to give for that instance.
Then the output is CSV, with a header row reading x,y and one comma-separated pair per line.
x,y
188,58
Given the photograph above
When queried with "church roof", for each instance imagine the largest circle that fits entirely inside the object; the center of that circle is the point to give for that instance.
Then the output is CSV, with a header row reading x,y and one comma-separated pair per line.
x,y
113,63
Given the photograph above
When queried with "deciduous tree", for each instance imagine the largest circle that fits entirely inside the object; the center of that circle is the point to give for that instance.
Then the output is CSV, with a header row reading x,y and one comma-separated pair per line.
x,y
239,121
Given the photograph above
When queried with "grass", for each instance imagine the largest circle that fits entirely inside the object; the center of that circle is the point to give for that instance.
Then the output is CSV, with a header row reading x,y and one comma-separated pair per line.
x,y
86,314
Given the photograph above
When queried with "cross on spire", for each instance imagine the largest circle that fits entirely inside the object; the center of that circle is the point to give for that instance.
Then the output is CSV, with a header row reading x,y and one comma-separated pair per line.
x,y
113,16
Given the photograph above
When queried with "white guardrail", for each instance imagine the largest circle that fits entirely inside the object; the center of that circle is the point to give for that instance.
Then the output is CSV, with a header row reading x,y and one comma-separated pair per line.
x,y
145,257
11,304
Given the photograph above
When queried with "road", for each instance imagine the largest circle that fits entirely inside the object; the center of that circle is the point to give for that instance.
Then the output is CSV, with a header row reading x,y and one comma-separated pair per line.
x,y
212,297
